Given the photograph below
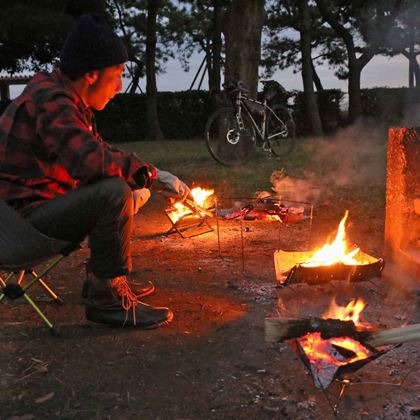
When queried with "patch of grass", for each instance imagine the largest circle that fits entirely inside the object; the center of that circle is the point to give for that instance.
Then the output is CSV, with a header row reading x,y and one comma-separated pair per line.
x,y
326,161
190,160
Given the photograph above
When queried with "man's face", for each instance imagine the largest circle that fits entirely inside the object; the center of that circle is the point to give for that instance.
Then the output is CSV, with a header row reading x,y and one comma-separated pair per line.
x,y
105,87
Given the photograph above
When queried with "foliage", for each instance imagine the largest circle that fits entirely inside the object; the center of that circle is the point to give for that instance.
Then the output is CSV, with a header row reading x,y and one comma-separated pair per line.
x,y
32,33
391,106
182,116
329,104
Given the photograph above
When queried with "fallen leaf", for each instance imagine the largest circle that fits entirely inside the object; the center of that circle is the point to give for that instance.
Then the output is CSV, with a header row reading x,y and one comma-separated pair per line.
x,y
45,398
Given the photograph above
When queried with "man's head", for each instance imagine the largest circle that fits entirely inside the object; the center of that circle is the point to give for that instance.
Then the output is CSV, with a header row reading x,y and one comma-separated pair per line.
x,y
94,55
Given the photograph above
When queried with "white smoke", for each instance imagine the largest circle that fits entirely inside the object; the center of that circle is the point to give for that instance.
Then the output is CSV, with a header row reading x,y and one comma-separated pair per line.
x,y
356,155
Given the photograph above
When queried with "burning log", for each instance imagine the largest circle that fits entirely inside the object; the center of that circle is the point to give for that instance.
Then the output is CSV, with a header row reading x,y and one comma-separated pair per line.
x,y
189,218
277,330
334,261
338,343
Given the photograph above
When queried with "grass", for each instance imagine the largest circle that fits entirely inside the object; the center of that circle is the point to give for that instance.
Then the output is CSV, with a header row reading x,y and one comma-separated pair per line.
x,y
355,168
190,160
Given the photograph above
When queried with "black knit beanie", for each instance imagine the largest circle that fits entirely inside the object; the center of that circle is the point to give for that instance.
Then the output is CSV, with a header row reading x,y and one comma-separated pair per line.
x,y
91,45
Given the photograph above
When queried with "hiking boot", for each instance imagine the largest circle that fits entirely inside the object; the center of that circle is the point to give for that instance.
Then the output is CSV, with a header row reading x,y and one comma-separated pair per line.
x,y
111,301
139,289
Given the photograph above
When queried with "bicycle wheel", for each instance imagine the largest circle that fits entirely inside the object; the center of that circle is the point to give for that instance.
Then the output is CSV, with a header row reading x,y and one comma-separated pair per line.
x,y
281,131
227,143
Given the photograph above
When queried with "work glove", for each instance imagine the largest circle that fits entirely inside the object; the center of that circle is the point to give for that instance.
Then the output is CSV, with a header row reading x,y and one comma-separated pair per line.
x,y
144,176
172,187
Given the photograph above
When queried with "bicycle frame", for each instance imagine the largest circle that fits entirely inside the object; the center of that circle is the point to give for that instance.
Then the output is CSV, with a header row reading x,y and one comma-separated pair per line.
x,y
261,129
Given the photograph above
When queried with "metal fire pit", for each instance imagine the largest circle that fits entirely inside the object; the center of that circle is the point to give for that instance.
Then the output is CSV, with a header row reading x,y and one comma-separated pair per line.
x,y
192,224
325,375
299,273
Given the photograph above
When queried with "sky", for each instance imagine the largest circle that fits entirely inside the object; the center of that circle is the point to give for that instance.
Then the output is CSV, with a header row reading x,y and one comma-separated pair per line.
x,y
379,72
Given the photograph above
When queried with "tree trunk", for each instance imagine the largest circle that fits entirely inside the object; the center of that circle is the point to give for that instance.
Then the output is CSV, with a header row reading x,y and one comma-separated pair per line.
x,y
216,50
243,42
317,80
311,104
153,127
412,58
355,100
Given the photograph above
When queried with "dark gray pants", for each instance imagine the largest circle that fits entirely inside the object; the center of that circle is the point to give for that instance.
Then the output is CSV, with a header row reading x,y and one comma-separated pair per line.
x,y
103,211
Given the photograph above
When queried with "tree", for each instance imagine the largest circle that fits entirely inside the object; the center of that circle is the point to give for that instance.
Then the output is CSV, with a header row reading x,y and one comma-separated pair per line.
x,y
404,39
153,127
32,33
362,26
310,100
243,28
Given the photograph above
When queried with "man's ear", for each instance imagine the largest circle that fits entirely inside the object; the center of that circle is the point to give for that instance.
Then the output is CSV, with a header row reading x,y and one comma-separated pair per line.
x,y
91,77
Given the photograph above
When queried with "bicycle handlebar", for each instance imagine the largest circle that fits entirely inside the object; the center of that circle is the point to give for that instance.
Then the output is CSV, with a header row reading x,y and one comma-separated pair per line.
x,y
234,86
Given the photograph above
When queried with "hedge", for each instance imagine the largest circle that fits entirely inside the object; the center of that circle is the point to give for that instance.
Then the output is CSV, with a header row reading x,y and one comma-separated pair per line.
x,y
183,115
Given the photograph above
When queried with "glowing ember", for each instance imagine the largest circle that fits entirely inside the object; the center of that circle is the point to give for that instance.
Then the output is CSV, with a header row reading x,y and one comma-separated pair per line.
x,y
180,210
335,252
323,351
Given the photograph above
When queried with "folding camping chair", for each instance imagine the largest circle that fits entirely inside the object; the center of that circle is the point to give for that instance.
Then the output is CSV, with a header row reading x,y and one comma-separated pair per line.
x,y
22,247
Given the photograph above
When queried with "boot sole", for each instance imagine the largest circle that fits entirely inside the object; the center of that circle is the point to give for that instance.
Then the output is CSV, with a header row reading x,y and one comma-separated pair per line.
x,y
97,319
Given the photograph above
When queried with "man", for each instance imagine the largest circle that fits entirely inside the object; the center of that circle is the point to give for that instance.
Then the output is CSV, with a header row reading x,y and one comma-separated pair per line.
x,y
56,170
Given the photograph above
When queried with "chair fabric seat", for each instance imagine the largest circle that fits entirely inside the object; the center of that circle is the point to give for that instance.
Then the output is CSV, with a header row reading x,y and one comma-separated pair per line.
x,y
22,245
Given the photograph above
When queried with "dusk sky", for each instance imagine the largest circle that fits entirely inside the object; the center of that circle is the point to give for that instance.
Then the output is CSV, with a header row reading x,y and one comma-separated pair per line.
x,y
380,71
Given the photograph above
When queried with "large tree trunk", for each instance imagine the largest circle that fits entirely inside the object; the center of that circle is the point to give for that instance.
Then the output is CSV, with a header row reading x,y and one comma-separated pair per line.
x,y
153,127
311,104
355,99
243,42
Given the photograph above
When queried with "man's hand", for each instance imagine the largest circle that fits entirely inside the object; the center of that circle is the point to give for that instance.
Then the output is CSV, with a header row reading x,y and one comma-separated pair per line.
x,y
172,187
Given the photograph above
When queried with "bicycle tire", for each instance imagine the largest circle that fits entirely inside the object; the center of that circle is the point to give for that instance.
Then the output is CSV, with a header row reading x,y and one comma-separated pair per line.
x,y
226,143
281,134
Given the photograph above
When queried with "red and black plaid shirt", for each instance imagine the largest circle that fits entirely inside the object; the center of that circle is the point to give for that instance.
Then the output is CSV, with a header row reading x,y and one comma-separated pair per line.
x,y
49,145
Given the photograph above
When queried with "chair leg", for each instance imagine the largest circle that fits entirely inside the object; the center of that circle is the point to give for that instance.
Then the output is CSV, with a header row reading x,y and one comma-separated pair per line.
x,y
53,329
3,285
57,299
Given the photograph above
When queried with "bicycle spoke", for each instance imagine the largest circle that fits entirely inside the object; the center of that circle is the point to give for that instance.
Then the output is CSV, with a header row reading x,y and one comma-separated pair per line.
x,y
230,140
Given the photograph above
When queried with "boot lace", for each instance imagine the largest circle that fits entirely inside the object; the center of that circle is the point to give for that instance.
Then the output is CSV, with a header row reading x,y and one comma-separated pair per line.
x,y
128,298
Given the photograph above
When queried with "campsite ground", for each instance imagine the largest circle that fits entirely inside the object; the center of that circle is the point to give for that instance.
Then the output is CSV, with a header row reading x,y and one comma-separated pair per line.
x,y
212,361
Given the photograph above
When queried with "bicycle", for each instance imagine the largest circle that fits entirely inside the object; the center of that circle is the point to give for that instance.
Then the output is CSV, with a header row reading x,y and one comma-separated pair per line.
x,y
233,133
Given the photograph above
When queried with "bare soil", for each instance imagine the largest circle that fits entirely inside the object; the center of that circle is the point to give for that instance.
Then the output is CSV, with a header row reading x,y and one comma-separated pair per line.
x,y
212,361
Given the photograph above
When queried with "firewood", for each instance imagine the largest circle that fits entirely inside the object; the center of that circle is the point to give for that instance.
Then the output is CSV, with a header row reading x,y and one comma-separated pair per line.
x,y
277,330
398,335
283,329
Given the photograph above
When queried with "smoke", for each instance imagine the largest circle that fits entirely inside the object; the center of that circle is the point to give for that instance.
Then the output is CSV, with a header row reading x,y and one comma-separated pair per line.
x,y
412,116
355,156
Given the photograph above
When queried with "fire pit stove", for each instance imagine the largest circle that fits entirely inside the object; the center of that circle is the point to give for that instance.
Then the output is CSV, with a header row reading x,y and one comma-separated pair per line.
x,y
191,222
331,262
338,343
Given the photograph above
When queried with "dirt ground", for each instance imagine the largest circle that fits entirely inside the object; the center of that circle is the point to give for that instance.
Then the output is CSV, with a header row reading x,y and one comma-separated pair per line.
x,y
212,361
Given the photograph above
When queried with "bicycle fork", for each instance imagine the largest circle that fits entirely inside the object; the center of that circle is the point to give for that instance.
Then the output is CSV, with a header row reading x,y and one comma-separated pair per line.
x,y
233,135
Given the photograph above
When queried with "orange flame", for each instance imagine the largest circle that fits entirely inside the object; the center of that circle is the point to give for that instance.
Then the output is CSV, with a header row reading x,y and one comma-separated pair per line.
x,y
180,210
319,350
351,312
335,252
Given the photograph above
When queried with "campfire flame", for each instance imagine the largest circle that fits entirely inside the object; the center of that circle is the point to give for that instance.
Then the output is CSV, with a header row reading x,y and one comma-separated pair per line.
x,y
320,351
335,252
351,312
200,196
326,351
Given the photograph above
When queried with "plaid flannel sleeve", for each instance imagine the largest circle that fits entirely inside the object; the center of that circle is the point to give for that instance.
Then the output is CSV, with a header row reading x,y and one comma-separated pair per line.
x,y
67,133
